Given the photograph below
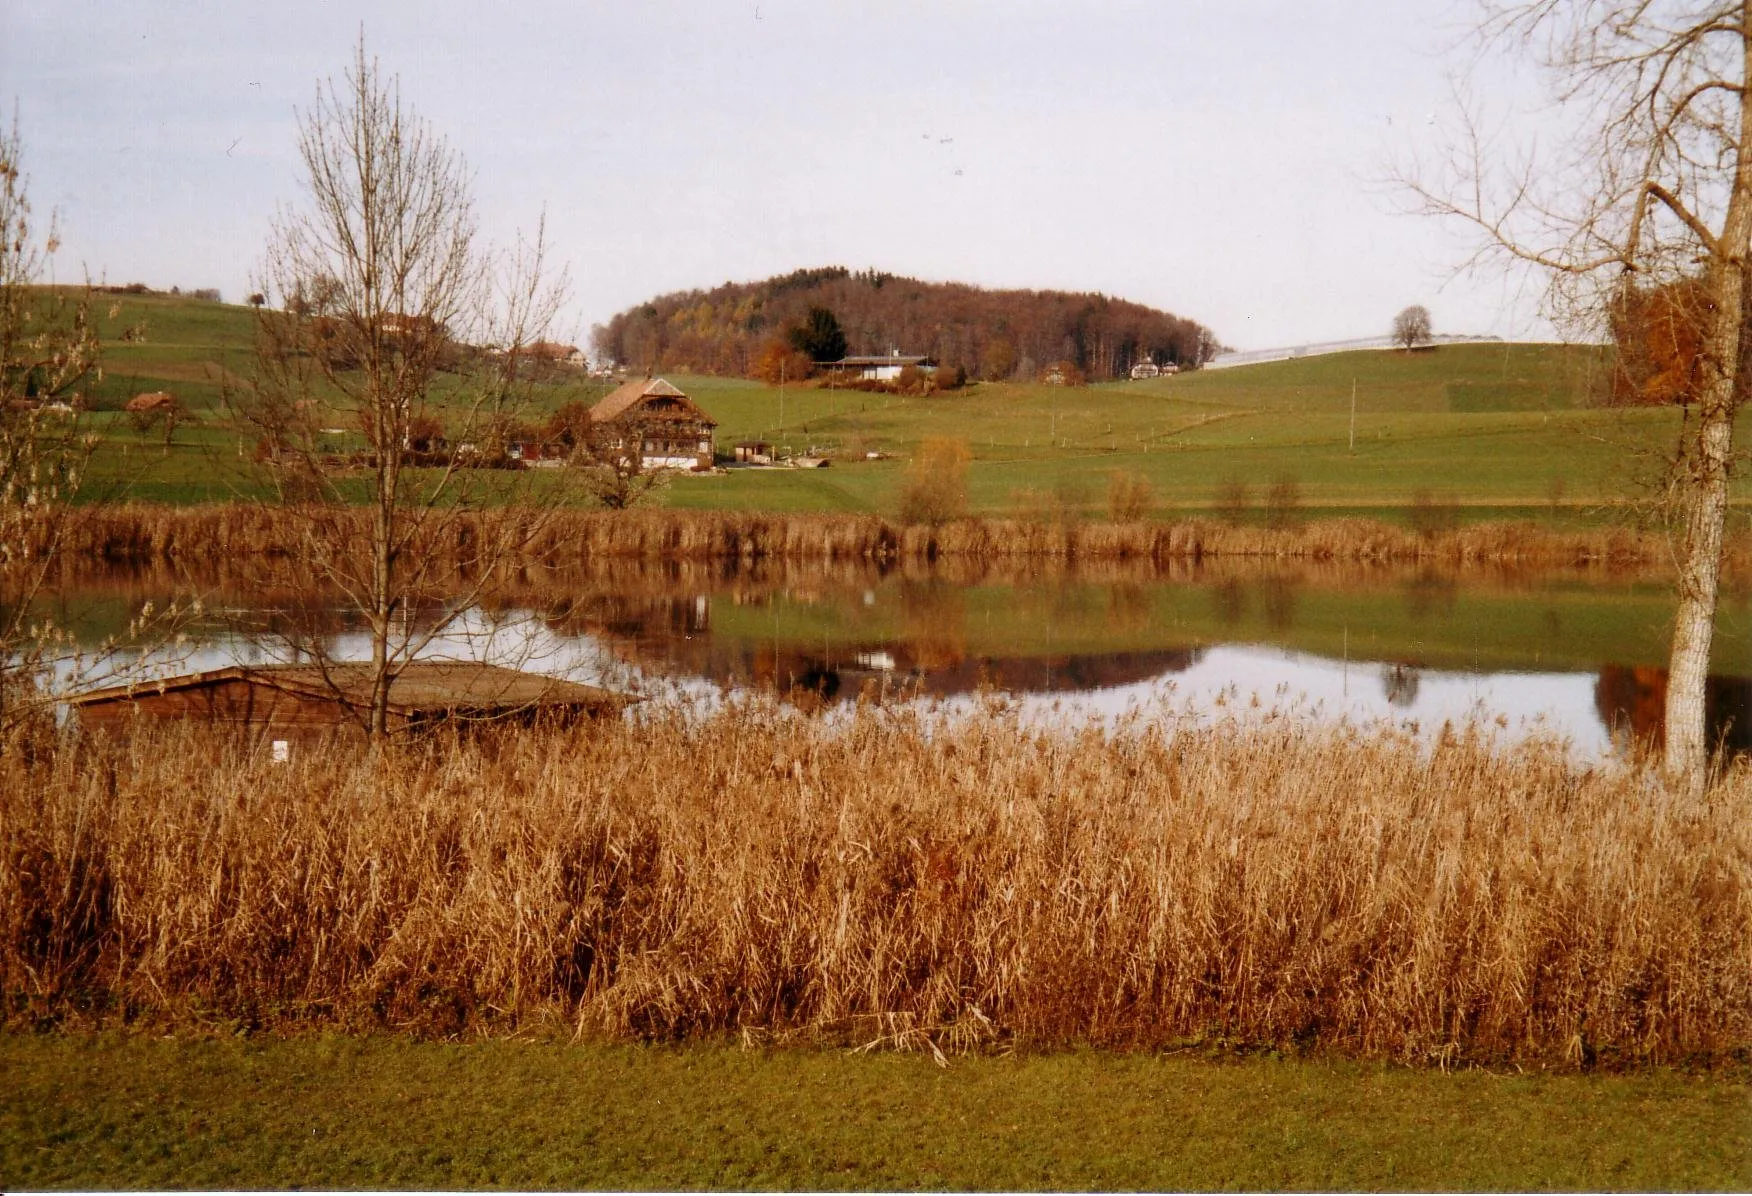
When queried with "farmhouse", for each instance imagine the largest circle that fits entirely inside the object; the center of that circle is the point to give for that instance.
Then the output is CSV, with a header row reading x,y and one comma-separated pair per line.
x,y
554,353
878,368
151,402
650,417
290,701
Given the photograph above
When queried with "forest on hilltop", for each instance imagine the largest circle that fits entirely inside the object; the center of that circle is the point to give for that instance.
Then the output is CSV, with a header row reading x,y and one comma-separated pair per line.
x,y
990,334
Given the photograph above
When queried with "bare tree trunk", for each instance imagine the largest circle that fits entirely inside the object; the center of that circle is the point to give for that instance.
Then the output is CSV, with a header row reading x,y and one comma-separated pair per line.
x,y
382,594
1705,465
1687,747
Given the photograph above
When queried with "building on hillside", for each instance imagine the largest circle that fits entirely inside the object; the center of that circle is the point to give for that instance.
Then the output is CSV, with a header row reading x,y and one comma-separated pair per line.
x,y
151,402
650,417
554,353
754,452
1149,369
878,368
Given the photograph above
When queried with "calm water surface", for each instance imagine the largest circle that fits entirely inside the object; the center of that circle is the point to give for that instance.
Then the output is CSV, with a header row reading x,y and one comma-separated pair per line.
x,y
1577,656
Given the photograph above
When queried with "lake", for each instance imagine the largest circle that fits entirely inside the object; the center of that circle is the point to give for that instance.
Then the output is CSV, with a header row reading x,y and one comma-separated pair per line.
x,y
1576,654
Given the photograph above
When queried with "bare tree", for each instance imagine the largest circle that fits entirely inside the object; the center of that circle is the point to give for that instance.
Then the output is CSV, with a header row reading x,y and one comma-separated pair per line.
x,y
616,474
48,355
1411,327
392,314
1654,187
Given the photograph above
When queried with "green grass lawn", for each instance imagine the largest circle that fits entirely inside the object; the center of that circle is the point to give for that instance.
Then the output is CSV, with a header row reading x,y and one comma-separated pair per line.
x,y
1493,430
109,1111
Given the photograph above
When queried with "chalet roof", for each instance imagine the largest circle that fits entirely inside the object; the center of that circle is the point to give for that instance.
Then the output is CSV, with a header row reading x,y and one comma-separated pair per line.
x,y
422,686
629,395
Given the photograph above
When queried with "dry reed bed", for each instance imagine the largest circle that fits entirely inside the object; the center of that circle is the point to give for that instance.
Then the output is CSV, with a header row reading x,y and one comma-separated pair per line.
x,y
138,532
872,878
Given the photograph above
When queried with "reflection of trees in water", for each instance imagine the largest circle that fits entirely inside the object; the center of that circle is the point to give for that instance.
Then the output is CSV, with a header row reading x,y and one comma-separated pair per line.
x,y
1279,593
628,615
1431,593
1401,682
1229,601
1128,607
1278,596
934,620
1632,700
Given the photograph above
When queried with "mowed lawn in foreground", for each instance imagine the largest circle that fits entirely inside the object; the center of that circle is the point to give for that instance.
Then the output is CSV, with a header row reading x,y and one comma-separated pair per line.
x,y
104,1111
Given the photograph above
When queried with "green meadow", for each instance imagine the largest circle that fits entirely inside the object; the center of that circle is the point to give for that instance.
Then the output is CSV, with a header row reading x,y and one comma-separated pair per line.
x,y
1473,431
103,1111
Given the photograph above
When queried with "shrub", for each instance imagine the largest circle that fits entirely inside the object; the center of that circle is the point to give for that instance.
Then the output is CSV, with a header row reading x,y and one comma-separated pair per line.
x,y
1129,497
1283,503
935,488
1234,500
1431,514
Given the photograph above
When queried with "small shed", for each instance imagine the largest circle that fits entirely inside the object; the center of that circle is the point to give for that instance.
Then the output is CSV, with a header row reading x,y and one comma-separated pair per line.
x,y
288,701
754,452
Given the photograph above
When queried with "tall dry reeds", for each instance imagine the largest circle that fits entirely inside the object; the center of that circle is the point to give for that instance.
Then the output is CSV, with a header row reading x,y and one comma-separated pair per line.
x,y
877,878
140,533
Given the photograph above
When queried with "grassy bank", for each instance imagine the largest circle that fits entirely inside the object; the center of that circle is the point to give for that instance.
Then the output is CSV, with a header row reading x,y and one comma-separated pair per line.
x,y
974,885
128,1112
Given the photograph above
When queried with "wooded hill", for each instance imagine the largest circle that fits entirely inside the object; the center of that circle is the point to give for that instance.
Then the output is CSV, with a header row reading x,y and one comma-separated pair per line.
x,y
990,334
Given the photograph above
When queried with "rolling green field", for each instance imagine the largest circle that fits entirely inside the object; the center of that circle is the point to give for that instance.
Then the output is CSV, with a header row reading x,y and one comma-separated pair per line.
x,y
131,1112
1485,430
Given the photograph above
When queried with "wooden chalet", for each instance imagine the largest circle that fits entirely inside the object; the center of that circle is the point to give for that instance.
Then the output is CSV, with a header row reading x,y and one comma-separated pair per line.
x,y
650,417
298,701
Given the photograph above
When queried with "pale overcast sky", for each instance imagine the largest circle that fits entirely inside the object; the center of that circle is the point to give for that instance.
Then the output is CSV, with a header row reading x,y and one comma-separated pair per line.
x,y
1214,159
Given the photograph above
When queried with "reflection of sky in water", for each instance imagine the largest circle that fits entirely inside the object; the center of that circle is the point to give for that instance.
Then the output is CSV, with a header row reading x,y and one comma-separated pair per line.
x,y
1238,680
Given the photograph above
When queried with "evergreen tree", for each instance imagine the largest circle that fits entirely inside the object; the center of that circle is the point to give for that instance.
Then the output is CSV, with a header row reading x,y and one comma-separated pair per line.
x,y
820,336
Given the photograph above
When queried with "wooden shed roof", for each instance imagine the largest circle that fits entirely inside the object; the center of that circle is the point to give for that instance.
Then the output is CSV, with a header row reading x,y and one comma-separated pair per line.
x,y
421,687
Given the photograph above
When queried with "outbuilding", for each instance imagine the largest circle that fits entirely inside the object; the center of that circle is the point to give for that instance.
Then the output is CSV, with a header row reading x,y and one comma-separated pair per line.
x,y
285,702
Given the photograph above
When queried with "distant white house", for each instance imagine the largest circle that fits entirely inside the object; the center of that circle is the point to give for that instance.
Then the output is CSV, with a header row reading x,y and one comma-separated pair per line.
x,y
879,368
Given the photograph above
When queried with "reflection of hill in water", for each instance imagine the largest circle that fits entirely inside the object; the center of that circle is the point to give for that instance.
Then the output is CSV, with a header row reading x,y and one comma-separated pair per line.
x,y
673,636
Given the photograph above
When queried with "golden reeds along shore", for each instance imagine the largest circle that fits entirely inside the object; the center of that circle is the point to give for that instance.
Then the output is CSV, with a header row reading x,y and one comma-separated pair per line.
x,y
874,878
144,533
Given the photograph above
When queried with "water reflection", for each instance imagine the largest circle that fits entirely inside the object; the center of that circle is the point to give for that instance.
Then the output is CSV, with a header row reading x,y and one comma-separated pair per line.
x,y
1571,653
1632,700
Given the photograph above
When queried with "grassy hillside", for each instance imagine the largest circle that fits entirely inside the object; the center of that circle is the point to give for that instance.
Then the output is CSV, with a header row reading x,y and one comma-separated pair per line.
x,y
1470,431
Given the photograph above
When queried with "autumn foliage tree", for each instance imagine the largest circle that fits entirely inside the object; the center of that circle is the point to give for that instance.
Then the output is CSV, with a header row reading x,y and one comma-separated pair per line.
x,y
1657,338
935,487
